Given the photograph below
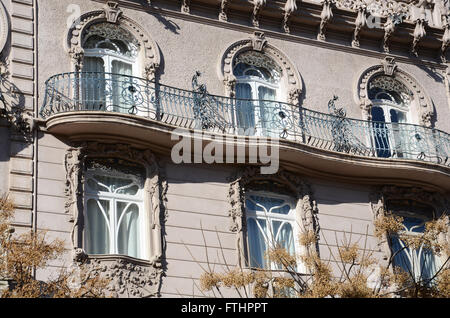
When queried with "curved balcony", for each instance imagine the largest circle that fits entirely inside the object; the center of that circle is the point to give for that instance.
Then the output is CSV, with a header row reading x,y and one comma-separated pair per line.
x,y
196,109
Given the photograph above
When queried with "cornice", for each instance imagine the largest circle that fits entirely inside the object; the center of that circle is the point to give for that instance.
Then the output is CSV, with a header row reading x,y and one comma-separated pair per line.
x,y
303,27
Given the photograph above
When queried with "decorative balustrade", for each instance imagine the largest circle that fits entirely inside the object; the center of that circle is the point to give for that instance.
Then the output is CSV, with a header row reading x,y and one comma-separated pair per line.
x,y
197,109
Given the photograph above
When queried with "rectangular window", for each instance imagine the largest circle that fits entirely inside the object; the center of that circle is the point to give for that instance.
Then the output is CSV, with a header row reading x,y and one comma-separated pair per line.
x,y
420,262
270,223
115,219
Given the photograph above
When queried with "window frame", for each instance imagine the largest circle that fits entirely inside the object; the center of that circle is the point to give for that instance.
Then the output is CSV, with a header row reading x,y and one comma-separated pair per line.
x,y
144,239
255,83
410,252
291,218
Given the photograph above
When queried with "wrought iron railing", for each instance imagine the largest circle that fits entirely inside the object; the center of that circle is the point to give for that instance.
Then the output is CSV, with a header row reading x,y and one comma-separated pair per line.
x,y
200,110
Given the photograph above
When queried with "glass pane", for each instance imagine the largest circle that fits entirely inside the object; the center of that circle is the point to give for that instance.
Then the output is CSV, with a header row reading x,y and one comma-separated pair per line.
x,y
256,242
97,230
114,185
128,229
267,109
267,204
380,133
245,112
414,224
285,237
93,83
122,88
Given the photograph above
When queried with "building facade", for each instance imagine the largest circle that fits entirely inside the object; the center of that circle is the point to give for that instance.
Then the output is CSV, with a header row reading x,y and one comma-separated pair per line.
x,y
157,137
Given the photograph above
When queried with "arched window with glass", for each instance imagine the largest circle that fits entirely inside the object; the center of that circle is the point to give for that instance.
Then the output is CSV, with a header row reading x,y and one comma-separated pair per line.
x,y
258,84
391,110
421,263
270,224
114,215
110,58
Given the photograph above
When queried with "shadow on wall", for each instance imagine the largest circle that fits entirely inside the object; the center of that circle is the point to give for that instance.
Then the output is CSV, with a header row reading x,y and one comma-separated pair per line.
x,y
432,73
19,120
168,24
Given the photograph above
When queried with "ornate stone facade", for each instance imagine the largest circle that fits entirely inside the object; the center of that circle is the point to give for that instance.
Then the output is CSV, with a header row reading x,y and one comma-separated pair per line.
x,y
424,107
381,195
283,182
155,188
259,43
112,14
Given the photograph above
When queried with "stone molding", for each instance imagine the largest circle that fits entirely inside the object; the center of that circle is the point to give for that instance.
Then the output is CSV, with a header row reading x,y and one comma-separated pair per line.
x,y
155,188
248,179
4,26
389,67
111,13
258,42
381,195
128,277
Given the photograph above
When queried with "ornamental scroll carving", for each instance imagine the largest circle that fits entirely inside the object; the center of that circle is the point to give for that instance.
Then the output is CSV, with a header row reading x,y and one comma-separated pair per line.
x,y
111,13
422,102
155,188
258,42
381,195
283,182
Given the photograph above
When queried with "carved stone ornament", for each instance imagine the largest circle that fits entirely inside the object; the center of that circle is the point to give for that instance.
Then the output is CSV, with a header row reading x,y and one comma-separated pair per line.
x,y
257,6
185,6
445,39
283,182
78,30
128,278
381,195
223,14
389,65
155,187
259,43
289,8
419,34
112,11
378,8
419,99
361,22
325,17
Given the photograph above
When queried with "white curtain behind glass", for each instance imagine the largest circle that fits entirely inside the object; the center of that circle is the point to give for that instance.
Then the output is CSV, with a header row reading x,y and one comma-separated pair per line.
x,y
245,112
122,97
113,213
270,222
267,110
93,83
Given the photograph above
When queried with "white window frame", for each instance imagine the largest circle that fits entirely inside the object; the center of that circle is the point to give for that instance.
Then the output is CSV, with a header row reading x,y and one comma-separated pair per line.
x,y
291,218
255,83
112,222
414,259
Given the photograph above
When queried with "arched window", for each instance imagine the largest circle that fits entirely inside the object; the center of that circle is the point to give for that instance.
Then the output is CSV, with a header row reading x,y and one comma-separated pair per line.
x,y
391,107
420,262
110,58
258,83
